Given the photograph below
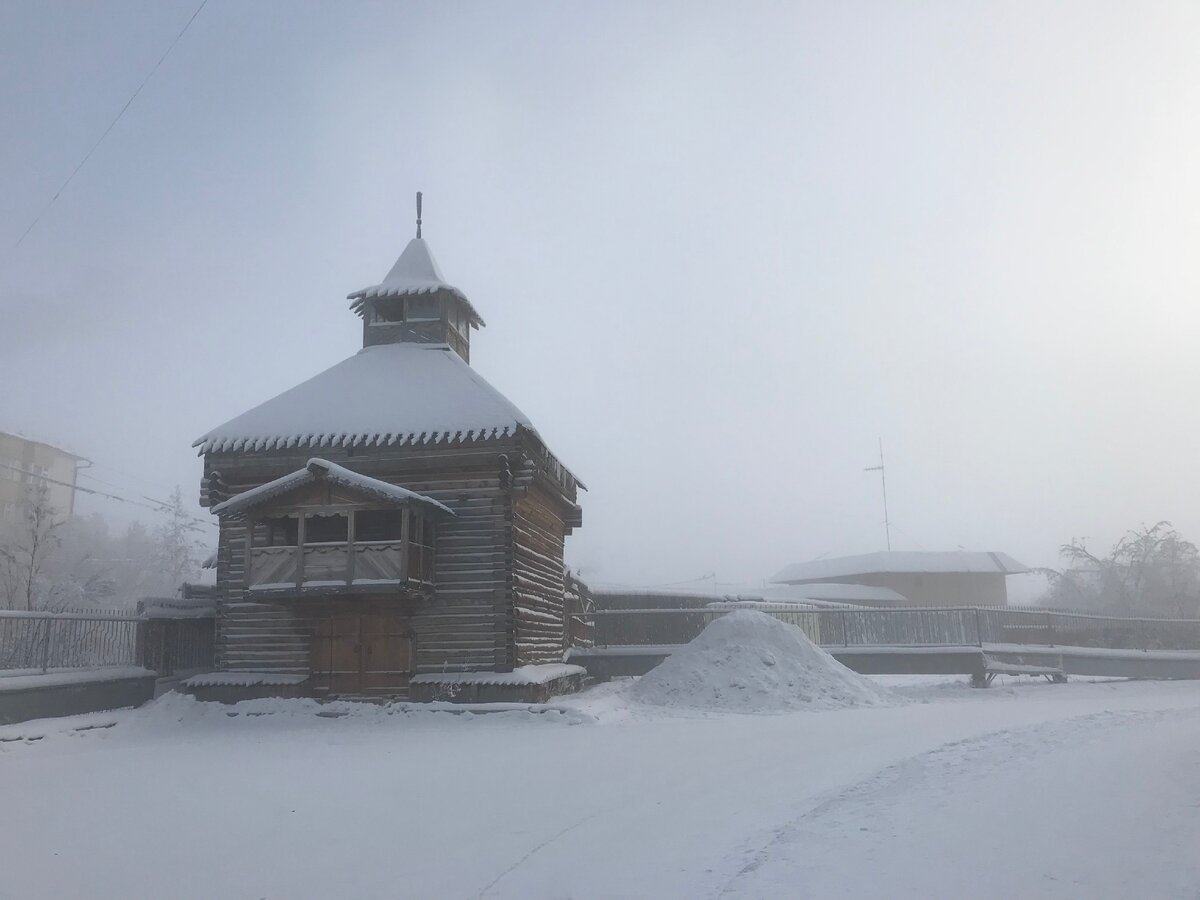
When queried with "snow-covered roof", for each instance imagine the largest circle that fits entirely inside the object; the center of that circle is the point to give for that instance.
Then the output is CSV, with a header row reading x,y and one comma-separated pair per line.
x,y
840,593
415,272
915,562
523,675
320,469
765,605
177,607
57,447
386,394
242,679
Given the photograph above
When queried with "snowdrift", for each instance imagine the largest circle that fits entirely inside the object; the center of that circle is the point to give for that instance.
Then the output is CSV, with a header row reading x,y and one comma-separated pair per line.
x,y
748,661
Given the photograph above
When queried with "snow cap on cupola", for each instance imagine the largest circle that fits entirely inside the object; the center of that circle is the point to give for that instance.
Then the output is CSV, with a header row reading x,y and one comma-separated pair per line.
x,y
414,303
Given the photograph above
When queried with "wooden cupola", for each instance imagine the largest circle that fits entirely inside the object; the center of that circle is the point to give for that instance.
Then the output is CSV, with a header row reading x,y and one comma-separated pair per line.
x,y
415,304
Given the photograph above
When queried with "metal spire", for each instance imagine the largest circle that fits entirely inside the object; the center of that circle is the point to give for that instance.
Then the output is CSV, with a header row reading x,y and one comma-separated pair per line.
x,y
887,524
418,215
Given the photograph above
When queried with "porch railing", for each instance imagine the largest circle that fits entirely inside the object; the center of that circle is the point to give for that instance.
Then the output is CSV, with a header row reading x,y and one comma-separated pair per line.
x,y
332,565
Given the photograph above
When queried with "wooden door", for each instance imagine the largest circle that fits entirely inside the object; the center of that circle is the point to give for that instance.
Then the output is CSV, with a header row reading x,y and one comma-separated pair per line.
x,y
337,653
363,652
387,652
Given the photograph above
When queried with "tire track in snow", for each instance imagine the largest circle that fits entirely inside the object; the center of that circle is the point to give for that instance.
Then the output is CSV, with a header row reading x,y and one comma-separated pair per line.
x,y
547,842
972,757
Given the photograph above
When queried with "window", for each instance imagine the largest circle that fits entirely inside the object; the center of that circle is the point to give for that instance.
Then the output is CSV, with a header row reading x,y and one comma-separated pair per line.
x,y
461,321
423,308
326,528
385,311
378,524
277,531
420,548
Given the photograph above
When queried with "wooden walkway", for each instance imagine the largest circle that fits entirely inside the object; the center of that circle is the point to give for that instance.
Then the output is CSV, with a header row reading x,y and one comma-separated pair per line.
x,y
609,662
958,641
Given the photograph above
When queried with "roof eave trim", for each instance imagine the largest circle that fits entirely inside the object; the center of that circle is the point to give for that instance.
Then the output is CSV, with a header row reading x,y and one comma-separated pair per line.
x,y
359,297
243,443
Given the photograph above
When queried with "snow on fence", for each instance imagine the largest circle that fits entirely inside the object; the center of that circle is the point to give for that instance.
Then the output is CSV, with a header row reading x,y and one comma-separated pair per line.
x,y
912,627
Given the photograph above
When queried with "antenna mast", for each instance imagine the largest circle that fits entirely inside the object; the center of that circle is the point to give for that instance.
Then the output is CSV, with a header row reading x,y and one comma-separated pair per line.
x,y
887,524
418,214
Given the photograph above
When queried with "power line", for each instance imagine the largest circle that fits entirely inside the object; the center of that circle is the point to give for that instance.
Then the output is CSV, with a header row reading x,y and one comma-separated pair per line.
x,y
87,473
707,576
159,505
111,125
909,536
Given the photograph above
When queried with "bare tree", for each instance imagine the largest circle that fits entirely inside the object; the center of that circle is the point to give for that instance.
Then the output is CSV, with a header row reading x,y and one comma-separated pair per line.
x,y
51,563
1150,571
26,550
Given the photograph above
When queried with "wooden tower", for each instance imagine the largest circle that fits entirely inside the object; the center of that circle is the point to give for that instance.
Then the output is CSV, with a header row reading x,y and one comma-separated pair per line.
x,y
392,516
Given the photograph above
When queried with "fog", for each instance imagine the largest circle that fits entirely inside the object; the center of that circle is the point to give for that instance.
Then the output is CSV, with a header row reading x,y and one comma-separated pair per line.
x,y
721,249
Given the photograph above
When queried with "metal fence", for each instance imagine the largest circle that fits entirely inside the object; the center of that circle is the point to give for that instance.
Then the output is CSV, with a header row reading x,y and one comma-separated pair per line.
x,y
956,626
41,641
166,644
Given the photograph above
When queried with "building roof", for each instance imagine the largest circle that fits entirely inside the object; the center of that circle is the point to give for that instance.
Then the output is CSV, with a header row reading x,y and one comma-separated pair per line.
x,y
57,448
415,272
913,562
322,470
386,394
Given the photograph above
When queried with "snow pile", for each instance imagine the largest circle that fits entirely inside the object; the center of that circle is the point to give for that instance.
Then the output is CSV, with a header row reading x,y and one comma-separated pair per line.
x,y
748,661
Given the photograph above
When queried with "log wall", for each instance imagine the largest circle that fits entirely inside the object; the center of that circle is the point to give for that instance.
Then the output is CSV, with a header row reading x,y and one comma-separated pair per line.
x,y
498,600
538,610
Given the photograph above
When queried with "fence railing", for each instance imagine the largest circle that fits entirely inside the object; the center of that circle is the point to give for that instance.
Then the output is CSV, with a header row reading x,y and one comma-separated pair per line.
x,y
167,646
40,641
912,627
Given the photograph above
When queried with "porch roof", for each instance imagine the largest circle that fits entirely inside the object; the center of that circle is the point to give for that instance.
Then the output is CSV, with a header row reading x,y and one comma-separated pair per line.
x,y
322,470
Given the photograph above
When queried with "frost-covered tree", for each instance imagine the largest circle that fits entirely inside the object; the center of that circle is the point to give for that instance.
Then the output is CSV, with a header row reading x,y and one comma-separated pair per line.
x,y
178,545
1151,571
47,563
26,549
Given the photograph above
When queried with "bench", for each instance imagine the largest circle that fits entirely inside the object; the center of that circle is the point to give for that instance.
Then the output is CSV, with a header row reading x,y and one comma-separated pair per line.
x,y
993,667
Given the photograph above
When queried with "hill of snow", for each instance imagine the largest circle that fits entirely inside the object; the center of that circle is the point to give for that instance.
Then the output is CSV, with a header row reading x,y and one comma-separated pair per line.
x,y
749,661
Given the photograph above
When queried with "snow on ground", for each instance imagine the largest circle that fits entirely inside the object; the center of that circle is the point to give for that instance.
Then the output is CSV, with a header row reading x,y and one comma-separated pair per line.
x,y
1103,805
749,661
24,679
1034,790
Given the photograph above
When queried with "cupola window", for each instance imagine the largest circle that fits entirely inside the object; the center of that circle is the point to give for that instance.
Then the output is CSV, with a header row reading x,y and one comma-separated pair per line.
x,y
423,308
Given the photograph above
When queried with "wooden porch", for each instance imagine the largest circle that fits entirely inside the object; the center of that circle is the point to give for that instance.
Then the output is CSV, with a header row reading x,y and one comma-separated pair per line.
x,y
350,567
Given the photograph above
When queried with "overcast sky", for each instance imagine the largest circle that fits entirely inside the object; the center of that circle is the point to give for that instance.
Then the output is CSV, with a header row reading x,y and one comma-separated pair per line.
x,y
721,250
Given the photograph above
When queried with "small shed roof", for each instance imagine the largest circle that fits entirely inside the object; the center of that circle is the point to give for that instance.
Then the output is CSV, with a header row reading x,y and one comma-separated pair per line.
x,y
914,562
415,272
856,594
319,469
